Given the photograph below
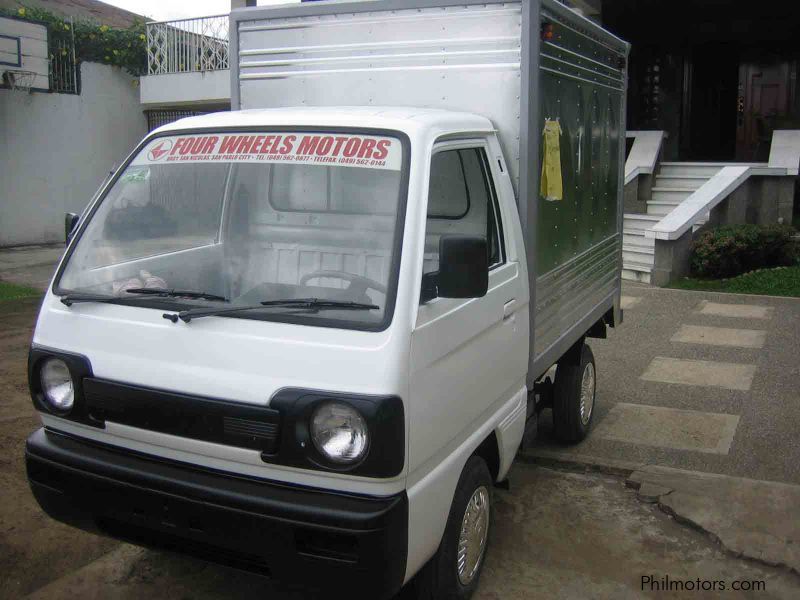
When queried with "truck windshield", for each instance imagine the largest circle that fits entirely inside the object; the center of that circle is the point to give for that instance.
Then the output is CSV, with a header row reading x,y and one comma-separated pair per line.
x,y
250,218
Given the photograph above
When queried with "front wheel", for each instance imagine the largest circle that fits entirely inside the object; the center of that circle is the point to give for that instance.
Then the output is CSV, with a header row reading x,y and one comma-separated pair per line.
x,y
574,395
453,572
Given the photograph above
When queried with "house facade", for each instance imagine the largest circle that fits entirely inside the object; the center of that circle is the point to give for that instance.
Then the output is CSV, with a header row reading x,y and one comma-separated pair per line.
x,y
719,76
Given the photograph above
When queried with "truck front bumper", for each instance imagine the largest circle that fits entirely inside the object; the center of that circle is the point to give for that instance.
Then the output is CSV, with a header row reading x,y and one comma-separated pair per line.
x,y
346,544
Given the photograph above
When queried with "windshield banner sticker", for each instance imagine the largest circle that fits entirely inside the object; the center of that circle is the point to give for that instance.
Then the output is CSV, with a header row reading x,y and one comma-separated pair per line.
x,y
365,151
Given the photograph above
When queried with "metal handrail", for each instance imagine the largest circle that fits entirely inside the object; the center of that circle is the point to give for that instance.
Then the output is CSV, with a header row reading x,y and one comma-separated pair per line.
x,y
187,45
224,15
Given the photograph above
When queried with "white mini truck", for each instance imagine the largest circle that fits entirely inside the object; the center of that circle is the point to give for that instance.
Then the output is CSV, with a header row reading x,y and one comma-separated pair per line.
x,y
308,338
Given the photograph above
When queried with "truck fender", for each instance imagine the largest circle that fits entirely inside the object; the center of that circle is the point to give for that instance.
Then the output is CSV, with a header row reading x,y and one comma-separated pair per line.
x,y
430,497
509,435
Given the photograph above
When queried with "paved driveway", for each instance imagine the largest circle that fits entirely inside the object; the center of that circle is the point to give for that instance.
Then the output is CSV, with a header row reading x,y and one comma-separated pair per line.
x,y
698,381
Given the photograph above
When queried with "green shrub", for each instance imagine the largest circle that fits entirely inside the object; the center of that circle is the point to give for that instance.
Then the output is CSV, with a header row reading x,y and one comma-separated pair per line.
x,y
732,250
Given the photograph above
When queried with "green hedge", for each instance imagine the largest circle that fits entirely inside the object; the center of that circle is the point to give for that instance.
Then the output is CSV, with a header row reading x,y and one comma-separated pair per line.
x,y
736,249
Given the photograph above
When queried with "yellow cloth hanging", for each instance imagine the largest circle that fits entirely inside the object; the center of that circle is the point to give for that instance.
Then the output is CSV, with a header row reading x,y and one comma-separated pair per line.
x,y
552,187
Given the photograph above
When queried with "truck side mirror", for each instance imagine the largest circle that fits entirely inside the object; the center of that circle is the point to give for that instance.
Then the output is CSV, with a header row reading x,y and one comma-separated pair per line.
x,y
70,222
463,266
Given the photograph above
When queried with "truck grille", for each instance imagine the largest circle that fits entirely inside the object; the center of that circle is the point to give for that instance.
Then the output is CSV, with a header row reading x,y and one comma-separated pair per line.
x,y
211,420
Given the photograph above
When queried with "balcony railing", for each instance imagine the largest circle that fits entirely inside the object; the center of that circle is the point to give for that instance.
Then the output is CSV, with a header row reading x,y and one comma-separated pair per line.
x,y
187,45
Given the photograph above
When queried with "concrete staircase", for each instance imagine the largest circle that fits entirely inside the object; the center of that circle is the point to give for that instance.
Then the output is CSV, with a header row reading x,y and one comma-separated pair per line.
x,y
673,183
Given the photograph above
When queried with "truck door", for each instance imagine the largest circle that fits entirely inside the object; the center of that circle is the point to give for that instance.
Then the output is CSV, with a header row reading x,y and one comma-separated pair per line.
x,y
468,356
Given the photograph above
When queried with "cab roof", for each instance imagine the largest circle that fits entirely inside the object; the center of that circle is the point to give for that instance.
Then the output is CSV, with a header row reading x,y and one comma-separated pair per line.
x,y
412,121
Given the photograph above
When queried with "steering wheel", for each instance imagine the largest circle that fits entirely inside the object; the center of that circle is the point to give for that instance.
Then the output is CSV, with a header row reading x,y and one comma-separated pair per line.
x,y
358,284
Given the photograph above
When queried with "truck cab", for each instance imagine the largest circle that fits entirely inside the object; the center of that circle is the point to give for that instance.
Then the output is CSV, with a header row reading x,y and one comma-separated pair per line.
x,y
312,327
308,336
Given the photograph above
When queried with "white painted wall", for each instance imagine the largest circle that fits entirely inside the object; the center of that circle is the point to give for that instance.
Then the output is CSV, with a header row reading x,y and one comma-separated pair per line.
x,y
31,52
56,149
182,89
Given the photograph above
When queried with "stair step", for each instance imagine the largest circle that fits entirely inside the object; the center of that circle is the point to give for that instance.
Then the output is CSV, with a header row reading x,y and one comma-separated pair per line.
x,y
672,190
633,232
681,176
639,221
666,194
660,209
637,265
639,216
637,240
641,275
702,163
638,227
637,255
641,251
672,182
683,169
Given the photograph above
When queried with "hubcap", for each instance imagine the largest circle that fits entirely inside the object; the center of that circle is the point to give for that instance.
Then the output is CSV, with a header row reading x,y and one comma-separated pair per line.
x,y
474,531
587,393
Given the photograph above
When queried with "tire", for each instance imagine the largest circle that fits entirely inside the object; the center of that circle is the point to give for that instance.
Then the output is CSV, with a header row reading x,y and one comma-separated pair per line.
x,y
439,579
573,406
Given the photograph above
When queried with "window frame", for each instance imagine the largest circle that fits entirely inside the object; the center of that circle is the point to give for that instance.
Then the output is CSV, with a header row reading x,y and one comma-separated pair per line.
x,y
481,145
466,187
328,210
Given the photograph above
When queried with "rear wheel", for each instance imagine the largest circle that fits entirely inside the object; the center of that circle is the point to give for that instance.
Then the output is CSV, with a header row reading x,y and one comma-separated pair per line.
x,y
574,395
453,572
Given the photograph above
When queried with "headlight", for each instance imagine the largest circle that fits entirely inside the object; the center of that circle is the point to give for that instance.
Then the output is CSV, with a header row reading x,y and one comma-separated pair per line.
x,y
339,432
57,384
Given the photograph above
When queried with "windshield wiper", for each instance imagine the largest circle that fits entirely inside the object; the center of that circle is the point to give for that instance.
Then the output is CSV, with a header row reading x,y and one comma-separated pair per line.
x,y
317,303
313,304
71,299
171,293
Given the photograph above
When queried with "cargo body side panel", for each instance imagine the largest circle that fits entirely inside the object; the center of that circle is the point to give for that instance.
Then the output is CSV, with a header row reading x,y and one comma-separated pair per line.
x,y
487,58
582,81
461,58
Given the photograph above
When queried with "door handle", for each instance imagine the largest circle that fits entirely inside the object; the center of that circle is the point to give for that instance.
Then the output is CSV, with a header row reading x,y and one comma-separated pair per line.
x,y
509,308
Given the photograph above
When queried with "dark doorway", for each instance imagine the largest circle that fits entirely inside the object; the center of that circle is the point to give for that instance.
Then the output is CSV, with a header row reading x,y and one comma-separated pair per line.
x,y
766,90
710,110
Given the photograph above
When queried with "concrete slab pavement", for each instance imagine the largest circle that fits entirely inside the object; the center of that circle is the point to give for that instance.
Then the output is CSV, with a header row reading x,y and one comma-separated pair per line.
x,y
721,336
765,394
697,406
759,520
669,428
700,372
736,311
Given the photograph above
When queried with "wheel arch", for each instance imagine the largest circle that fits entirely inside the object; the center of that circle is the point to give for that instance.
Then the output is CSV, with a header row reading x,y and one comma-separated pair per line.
x,y
489,451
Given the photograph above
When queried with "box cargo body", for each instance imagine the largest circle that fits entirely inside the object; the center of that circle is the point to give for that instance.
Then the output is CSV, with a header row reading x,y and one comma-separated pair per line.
x,y
493,59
